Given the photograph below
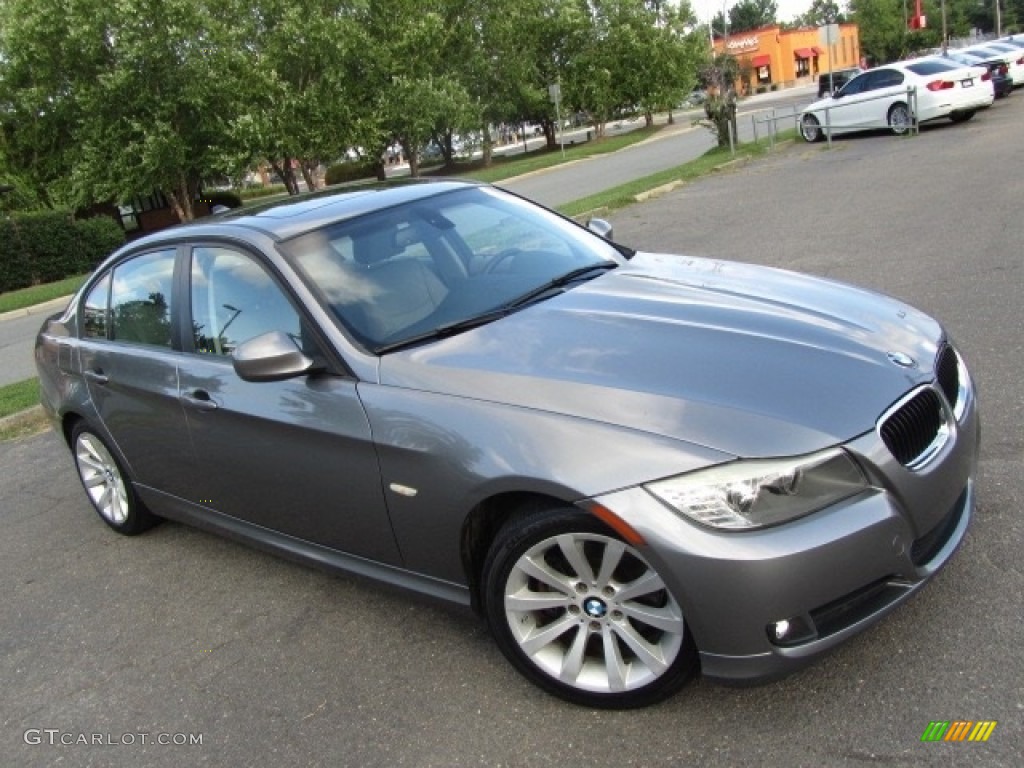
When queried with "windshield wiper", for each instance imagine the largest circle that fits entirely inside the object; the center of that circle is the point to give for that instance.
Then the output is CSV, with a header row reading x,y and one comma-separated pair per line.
x,y
451,329
558,282
443,331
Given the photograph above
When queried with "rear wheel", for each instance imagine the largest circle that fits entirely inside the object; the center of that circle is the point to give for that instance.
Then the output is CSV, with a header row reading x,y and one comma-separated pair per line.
x,y
899,118
810,128
962,117
582,614
107,485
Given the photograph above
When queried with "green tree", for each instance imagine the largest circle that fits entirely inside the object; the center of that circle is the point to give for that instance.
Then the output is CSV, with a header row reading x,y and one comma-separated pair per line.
x,y
752,14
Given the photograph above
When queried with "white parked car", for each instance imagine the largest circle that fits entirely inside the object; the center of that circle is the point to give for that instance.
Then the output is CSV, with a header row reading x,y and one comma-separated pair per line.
x,y
882,97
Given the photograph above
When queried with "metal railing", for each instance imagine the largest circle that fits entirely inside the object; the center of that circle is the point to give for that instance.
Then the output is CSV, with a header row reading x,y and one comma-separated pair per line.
x,y
772,118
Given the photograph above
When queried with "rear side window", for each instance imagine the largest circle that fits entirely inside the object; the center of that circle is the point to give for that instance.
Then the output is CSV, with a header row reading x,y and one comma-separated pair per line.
x,y
140,299
930,67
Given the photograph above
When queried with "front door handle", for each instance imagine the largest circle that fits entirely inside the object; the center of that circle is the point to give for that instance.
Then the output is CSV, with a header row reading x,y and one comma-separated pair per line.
x,y
200,400
97,377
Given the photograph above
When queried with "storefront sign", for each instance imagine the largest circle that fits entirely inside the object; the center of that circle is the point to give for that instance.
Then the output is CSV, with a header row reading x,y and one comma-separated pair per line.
x,y
743,44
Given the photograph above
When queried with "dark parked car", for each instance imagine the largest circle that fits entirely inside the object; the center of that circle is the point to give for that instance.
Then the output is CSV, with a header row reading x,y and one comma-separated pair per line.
x,y
830,82
632,465
997,68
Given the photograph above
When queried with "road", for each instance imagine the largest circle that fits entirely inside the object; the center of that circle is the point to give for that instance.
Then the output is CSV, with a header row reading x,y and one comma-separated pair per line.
x,y
673,146
17,339
272,663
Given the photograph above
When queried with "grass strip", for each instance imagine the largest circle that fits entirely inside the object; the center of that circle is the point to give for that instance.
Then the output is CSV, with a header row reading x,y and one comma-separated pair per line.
x,y
39,294
710,161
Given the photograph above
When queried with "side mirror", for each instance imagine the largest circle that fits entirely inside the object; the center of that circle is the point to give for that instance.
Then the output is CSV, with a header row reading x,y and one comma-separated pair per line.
x,y
601,228
271,356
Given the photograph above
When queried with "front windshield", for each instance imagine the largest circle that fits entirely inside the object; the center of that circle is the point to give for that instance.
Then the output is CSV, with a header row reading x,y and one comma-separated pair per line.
x,y
427,267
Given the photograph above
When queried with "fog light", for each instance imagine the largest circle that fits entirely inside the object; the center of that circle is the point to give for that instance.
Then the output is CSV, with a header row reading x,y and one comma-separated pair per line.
x,y
791,631
780,629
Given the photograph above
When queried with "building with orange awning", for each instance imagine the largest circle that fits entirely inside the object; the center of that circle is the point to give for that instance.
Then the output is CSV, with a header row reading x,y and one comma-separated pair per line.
x,y
772,58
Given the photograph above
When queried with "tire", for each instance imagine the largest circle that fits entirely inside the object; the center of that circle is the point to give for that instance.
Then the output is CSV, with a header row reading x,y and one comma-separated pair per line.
x,y
107,485
810,129
962,117
582,614
899,118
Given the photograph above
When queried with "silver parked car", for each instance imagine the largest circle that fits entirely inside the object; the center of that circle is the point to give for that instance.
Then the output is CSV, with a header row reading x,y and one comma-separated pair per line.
x,y
632,465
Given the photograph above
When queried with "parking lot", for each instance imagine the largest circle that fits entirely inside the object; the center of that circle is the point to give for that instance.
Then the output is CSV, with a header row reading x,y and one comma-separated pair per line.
x,y
113,646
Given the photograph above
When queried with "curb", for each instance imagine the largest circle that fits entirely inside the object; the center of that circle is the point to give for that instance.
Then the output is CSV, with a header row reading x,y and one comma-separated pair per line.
x,y
16,419
53,305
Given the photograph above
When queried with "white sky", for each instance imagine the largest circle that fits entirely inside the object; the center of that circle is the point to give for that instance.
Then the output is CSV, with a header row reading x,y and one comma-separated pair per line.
x,y
788,9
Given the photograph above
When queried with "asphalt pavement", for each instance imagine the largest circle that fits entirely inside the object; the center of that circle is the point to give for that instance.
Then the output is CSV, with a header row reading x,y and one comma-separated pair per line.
x,y
111,645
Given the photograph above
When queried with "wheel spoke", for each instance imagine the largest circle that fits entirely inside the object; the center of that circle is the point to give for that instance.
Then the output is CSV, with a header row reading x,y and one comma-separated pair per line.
x,y
615,667
610,561
667,619
541,571
572,548
647,654
92,479
572,664
644,585
528,600
546,635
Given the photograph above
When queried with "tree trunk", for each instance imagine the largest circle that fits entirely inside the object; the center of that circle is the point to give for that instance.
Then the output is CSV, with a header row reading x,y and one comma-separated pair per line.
x,y
648,119
413,157
488,147
671,118
308,168
287,174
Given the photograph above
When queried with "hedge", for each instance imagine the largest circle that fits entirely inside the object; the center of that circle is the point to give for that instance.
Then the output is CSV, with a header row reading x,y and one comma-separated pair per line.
x,y
45,246
342,172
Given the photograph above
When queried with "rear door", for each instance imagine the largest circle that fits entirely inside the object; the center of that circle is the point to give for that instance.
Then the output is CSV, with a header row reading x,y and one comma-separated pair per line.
x,y
130,367
293,456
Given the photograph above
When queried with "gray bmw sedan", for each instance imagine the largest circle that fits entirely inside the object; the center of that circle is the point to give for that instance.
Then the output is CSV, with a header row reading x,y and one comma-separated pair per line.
x,y
633,466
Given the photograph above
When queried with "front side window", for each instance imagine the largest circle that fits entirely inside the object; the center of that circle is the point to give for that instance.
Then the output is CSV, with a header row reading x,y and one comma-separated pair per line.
x,y
235,299
140,299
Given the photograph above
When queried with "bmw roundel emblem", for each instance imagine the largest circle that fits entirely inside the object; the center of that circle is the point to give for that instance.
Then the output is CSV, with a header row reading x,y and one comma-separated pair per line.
x,y
594,608
900,359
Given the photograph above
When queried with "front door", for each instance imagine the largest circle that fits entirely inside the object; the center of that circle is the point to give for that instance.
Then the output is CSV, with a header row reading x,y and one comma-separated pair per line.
x,y
293,456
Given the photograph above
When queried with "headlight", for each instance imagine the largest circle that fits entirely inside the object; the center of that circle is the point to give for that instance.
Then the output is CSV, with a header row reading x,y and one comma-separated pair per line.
x,y
758,493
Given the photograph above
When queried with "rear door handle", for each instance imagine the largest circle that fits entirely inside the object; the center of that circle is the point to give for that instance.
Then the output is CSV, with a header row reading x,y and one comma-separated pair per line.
x,y
200,400
97,377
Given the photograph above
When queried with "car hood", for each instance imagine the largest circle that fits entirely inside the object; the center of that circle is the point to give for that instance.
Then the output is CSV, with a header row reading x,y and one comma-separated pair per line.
x,y
746,360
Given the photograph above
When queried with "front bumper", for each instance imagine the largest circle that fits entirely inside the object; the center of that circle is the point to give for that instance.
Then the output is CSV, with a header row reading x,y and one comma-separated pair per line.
x,y
830,574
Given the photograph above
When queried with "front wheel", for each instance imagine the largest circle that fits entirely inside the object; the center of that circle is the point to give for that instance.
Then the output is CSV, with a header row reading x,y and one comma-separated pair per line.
x,y
107,485
899,118
583,615
810,129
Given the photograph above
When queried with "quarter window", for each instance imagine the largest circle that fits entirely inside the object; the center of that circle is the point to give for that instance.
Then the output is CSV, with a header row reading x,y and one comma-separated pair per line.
x,y
94,316
234,299
140,299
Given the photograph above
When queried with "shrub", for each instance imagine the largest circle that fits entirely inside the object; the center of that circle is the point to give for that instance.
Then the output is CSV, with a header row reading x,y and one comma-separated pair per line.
x,y
249,193
342,172
46,246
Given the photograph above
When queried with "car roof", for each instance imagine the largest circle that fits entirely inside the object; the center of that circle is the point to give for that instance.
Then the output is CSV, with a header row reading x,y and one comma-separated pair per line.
x,y
293,216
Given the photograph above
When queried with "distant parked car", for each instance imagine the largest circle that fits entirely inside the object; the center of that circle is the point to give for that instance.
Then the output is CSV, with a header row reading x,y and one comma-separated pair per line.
x,y
830,82
1011,54
879,98
994,66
